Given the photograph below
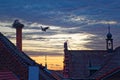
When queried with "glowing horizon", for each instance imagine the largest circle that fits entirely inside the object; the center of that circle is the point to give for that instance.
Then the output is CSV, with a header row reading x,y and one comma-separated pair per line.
x,y
53,62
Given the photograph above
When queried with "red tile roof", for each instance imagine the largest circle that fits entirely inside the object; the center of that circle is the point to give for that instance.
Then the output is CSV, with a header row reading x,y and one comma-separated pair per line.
x,y
6,74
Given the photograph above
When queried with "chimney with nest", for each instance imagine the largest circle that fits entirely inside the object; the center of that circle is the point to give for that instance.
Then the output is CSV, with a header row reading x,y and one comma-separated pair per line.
x,y
18,27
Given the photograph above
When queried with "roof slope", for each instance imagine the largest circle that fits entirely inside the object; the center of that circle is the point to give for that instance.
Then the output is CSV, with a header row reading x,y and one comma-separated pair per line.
x,y
14,59
13,49
112,65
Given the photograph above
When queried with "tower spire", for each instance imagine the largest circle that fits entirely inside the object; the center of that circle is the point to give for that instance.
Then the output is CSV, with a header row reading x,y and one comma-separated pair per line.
x,y
109,40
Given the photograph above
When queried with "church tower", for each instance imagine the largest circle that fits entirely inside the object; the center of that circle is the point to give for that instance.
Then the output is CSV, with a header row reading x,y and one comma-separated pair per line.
x,y
109,41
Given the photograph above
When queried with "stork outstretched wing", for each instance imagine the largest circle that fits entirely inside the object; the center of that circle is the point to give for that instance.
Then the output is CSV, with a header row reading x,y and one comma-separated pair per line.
x,y
44,29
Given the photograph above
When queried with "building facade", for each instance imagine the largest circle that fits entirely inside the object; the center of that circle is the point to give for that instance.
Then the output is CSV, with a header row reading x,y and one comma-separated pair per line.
x,y
92,64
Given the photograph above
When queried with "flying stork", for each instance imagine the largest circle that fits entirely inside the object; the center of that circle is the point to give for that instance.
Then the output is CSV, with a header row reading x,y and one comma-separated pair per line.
x,y
44,29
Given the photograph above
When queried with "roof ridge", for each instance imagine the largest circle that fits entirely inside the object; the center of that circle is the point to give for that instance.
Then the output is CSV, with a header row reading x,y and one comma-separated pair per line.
x,y
10,46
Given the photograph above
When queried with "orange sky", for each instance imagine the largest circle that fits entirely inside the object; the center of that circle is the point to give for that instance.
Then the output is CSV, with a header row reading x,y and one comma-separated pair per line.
x,y
53,62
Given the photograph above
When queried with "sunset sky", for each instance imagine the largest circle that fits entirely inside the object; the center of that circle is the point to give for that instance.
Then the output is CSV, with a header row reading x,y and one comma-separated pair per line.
x,y
82,22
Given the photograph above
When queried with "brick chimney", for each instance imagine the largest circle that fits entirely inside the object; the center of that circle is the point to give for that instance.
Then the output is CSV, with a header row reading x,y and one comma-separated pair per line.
x,y
18,27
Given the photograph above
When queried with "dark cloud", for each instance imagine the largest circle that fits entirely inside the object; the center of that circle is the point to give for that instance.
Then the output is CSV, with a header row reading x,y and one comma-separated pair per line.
x,y
50,11
71,16
34,53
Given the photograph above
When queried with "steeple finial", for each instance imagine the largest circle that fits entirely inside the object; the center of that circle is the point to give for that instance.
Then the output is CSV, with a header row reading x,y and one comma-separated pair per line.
x,y
109,35
108,28
109,40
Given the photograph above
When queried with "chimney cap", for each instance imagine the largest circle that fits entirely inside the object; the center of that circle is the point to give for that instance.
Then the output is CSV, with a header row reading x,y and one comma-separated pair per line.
x,y
17,24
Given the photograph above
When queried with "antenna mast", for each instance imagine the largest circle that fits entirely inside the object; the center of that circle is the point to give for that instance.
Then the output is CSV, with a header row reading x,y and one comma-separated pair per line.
x,y
46,61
